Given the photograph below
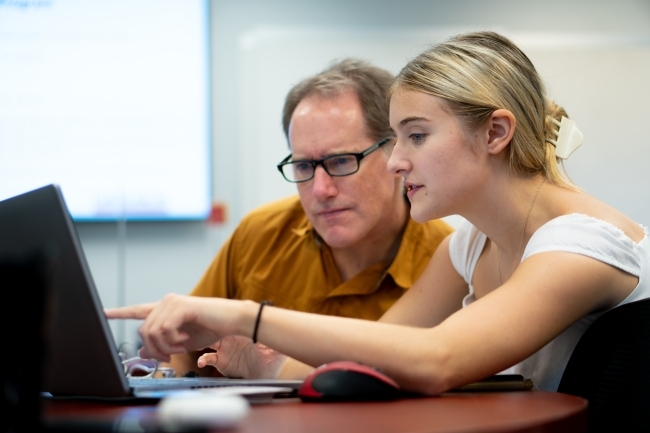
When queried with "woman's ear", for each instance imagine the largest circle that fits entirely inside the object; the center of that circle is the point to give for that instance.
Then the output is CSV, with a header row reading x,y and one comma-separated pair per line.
x,y
501,127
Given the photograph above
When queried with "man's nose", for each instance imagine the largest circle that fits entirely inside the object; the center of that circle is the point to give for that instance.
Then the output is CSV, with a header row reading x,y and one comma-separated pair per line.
x,y
323,187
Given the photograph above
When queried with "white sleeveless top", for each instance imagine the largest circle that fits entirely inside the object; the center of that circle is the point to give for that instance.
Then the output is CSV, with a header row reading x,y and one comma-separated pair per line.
x,y
575,233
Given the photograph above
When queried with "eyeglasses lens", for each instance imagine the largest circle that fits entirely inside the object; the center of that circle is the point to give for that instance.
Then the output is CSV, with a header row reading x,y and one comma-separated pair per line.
x,y
297,171
337,165
341,165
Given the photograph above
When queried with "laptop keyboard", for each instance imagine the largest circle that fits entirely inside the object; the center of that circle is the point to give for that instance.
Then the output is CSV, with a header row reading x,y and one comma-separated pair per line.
x,y
205,382
180,382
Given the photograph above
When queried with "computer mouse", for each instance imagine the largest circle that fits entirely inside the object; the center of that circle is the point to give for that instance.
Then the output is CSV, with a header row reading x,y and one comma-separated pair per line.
x,y
347,380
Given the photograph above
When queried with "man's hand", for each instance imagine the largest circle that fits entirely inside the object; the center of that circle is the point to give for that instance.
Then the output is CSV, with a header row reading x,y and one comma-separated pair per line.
x,y
237,356
185,365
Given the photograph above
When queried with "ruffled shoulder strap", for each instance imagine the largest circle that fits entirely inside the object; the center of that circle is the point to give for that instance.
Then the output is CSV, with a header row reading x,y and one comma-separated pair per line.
x,y
465,247
591,237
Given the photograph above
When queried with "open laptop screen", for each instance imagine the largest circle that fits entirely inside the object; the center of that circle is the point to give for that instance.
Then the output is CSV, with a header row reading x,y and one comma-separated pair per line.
x,y
80,357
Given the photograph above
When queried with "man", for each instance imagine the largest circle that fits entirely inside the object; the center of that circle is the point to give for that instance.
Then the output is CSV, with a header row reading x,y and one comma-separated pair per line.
x,y
346,245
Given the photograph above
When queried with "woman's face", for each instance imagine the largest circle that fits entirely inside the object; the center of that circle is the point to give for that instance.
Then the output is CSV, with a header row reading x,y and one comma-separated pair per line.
x,y
434,155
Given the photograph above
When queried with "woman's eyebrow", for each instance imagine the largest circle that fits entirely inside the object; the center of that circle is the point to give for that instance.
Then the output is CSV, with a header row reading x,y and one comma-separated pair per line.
x,y
412,119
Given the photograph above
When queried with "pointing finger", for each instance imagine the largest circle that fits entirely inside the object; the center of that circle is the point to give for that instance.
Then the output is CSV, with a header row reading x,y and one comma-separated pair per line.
x,y
131,312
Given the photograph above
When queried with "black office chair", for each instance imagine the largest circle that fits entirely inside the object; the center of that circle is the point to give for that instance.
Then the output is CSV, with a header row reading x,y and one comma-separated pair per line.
x,y
610,367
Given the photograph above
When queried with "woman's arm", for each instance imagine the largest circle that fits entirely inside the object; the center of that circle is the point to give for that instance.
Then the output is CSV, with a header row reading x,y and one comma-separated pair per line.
x,y
436,295
247,361
446,299
547,293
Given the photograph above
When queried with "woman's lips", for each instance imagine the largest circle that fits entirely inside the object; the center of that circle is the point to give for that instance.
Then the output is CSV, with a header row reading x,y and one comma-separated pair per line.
x,y
412,189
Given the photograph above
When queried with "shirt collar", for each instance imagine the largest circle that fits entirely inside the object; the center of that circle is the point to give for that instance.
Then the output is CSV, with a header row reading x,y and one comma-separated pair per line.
x,y
306,229
401,268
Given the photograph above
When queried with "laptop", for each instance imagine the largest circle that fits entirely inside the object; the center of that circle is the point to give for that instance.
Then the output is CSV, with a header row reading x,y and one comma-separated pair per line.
x,y
81,356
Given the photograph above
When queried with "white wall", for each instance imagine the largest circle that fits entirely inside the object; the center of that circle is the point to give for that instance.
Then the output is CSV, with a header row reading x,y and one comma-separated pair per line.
x,y
595,56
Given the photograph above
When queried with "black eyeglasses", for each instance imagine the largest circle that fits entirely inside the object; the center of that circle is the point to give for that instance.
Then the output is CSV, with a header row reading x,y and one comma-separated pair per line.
x,y
343,164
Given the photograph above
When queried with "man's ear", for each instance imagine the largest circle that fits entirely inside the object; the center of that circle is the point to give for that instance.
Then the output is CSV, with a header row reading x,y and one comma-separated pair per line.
x,y
501,127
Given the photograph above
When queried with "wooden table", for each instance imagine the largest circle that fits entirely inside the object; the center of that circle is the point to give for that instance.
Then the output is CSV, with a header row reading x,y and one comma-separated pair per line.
x,y
525,411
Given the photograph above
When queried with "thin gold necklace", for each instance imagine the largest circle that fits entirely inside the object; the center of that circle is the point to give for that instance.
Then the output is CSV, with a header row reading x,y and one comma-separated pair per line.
x,y
523,233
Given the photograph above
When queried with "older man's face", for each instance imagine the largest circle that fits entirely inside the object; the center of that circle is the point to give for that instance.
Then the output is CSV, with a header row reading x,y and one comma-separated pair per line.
x,y
350,209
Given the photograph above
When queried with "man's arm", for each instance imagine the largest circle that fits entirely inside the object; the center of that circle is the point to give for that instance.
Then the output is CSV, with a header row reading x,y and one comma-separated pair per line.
x,y
237,356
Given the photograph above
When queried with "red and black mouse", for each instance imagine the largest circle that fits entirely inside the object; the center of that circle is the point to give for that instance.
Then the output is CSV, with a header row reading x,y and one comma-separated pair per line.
x,y
347,381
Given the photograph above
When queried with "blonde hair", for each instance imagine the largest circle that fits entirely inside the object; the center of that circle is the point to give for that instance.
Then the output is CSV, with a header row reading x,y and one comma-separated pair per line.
x,y
480,72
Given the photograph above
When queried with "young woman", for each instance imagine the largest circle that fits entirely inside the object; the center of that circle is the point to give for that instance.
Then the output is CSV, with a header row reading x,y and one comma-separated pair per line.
x,y
512,289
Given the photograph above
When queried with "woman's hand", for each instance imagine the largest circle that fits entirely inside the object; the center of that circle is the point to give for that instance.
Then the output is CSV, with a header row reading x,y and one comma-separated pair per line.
x,y
180,323
237,356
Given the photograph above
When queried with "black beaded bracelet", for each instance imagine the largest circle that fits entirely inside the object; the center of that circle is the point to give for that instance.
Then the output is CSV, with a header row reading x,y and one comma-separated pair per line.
x,y
257,320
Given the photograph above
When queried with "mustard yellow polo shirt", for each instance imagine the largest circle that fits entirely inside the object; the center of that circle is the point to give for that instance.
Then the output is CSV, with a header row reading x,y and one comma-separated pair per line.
x,y
274,254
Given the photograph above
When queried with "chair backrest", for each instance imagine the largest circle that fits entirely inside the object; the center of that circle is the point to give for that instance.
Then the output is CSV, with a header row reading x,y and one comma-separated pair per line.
x,y
610,367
